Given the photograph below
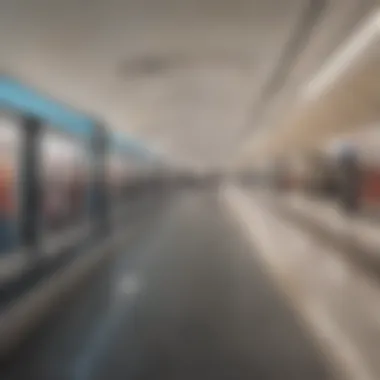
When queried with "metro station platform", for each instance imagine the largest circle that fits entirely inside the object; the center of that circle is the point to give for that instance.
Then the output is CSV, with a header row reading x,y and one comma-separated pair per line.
x,y
187,297
179,109
322,273
357,234
360,226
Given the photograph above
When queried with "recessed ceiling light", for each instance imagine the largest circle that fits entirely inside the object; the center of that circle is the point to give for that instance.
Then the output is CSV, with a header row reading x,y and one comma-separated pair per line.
x,y
156,64
146,65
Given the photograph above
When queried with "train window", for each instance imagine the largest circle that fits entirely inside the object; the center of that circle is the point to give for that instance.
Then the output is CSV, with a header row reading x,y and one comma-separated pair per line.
x,y
10,138
116,176
64,172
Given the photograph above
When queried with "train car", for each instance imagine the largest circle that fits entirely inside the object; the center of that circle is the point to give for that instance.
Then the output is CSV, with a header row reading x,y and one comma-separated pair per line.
x,y
45,170
63,175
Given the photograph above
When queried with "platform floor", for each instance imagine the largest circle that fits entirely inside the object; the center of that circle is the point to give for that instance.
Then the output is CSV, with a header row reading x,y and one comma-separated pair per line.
x,y
189,301
362,226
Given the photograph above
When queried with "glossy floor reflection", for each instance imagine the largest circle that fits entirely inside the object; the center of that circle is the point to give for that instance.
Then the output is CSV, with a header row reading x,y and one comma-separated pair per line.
x,y
188,301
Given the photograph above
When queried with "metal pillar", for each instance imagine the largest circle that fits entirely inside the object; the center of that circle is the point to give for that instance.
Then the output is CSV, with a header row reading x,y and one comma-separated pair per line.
x,y
30,185
99,194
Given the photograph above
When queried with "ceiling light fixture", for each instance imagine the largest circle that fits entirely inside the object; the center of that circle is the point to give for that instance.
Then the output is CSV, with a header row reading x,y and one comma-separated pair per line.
x,y
362,39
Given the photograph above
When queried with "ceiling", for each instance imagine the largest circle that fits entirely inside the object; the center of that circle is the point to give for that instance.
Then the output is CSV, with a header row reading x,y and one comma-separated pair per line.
x,y
197,80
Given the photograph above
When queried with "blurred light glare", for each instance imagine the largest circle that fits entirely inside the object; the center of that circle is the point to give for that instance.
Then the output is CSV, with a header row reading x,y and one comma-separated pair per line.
x,y
345,57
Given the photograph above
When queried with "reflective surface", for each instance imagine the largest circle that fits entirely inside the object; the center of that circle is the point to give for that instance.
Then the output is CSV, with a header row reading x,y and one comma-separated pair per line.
x,y
188,301
10,142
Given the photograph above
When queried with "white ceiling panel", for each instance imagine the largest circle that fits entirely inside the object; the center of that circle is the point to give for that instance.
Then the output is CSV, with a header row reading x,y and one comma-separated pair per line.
x,y
185,76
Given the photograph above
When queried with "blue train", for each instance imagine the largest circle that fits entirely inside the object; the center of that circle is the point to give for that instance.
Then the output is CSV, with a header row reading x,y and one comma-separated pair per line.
x,y
63,174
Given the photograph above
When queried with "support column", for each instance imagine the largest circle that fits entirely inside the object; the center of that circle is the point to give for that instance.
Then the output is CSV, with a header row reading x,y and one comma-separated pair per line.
x,y
350,181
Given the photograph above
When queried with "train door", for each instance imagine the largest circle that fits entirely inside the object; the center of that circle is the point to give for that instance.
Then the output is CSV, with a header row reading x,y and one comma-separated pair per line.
x,y
10,149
